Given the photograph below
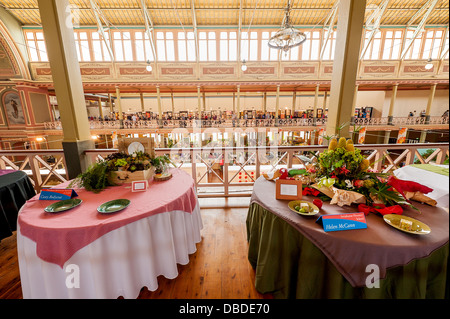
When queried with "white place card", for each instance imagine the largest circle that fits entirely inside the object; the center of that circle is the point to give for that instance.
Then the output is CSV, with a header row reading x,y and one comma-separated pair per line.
x,y
139,186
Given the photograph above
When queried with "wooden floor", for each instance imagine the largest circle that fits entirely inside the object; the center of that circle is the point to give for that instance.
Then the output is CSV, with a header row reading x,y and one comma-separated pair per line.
x,y
218,270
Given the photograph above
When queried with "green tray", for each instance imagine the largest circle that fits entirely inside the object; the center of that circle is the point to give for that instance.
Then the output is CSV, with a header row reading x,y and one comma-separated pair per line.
x,y
113,206
63,205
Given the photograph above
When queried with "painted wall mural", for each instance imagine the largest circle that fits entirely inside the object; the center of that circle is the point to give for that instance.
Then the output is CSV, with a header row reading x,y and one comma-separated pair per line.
x,y
13,109
7,69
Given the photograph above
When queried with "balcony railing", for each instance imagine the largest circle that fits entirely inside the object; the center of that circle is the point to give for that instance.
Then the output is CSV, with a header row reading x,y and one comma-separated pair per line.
x,y
294,122
223,171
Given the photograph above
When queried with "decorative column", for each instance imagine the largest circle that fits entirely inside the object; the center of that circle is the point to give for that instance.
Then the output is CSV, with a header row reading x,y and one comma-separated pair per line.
x,y
158,97
265,102
345,66
238,104
62,55
199,103
173,103
100,108
277,104
111,107
141,95
119,105
294,102
430,102
204,101
234,103
391,105
355,96
316,102
423,134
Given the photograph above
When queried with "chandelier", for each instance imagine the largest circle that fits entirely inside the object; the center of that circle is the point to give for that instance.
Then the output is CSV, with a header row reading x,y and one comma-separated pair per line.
x,y
287,37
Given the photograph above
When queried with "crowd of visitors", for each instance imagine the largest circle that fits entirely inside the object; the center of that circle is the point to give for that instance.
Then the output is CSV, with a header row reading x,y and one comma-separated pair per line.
x,y
147,116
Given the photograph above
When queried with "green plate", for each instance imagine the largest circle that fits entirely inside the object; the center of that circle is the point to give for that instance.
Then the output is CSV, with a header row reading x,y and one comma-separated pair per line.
x,y
313,209
113,206
408,225
63,205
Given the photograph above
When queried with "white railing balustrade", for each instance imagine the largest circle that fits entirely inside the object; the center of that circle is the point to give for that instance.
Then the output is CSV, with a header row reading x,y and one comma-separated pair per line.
x,y
223,171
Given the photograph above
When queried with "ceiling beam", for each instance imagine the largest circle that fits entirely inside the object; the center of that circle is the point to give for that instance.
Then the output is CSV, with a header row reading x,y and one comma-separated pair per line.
x,y
219,8
427,8
328,27
99,17
149,30
194,24
373,25
239,58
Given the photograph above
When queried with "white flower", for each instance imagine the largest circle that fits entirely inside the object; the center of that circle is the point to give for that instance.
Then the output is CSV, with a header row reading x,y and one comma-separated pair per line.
x,y
349,183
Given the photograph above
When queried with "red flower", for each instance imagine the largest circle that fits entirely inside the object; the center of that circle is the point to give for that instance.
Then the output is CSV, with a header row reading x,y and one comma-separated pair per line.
x,y
318,203
358,183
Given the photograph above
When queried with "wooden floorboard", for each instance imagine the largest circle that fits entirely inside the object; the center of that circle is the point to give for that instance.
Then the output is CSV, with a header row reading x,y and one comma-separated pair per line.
x,y
219,269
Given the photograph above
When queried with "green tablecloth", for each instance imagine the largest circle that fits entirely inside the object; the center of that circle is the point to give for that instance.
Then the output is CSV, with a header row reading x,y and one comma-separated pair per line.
x,y
432,168
289,266
15,190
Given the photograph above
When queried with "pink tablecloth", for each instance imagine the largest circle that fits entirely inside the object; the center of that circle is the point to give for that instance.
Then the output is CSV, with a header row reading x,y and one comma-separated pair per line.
x,y
59,235
5,171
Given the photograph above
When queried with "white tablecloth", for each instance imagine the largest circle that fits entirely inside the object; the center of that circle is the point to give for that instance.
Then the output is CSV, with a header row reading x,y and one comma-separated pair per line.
x,y
119,263
438,182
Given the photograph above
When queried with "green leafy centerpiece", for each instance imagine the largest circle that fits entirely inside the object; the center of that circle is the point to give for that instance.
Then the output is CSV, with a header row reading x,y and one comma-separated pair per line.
x,y
117,169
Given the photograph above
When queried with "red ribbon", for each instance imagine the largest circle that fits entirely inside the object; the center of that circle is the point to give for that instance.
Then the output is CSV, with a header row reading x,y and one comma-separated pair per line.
x,y
284,173
310,191
381,209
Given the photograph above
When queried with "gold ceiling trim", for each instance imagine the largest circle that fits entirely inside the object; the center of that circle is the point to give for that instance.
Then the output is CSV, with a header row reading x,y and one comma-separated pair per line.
x,y
224,13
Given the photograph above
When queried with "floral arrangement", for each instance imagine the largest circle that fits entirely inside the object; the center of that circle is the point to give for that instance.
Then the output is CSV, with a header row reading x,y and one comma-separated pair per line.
x,y
95,178
137,161
343,176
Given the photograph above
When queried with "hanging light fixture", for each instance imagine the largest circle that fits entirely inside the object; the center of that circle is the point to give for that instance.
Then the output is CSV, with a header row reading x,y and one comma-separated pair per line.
x,y
287,37
243,66
149,66
429,65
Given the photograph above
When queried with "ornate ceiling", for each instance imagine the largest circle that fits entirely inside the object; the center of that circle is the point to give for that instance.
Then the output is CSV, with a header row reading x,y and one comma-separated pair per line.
x,y
202,13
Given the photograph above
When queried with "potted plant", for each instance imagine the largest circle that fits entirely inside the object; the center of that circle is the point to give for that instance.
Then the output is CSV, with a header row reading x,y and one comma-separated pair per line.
x,y
161,168
116,169
128,168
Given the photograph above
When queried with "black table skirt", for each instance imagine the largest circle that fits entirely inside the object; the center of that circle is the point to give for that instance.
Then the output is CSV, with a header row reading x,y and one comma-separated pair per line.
x,y
15,190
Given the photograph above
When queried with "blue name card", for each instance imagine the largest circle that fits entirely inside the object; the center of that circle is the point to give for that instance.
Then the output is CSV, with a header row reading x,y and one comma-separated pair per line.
x,y
342,221
57,194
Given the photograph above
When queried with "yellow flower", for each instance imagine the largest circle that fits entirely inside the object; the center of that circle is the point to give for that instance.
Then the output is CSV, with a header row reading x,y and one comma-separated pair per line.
x,y
350,146
333,144
342,142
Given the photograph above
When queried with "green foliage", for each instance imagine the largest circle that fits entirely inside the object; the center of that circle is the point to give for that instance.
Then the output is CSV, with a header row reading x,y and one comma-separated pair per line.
x,y
138,161
94,179
340,163
386,194
427,154
120,162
